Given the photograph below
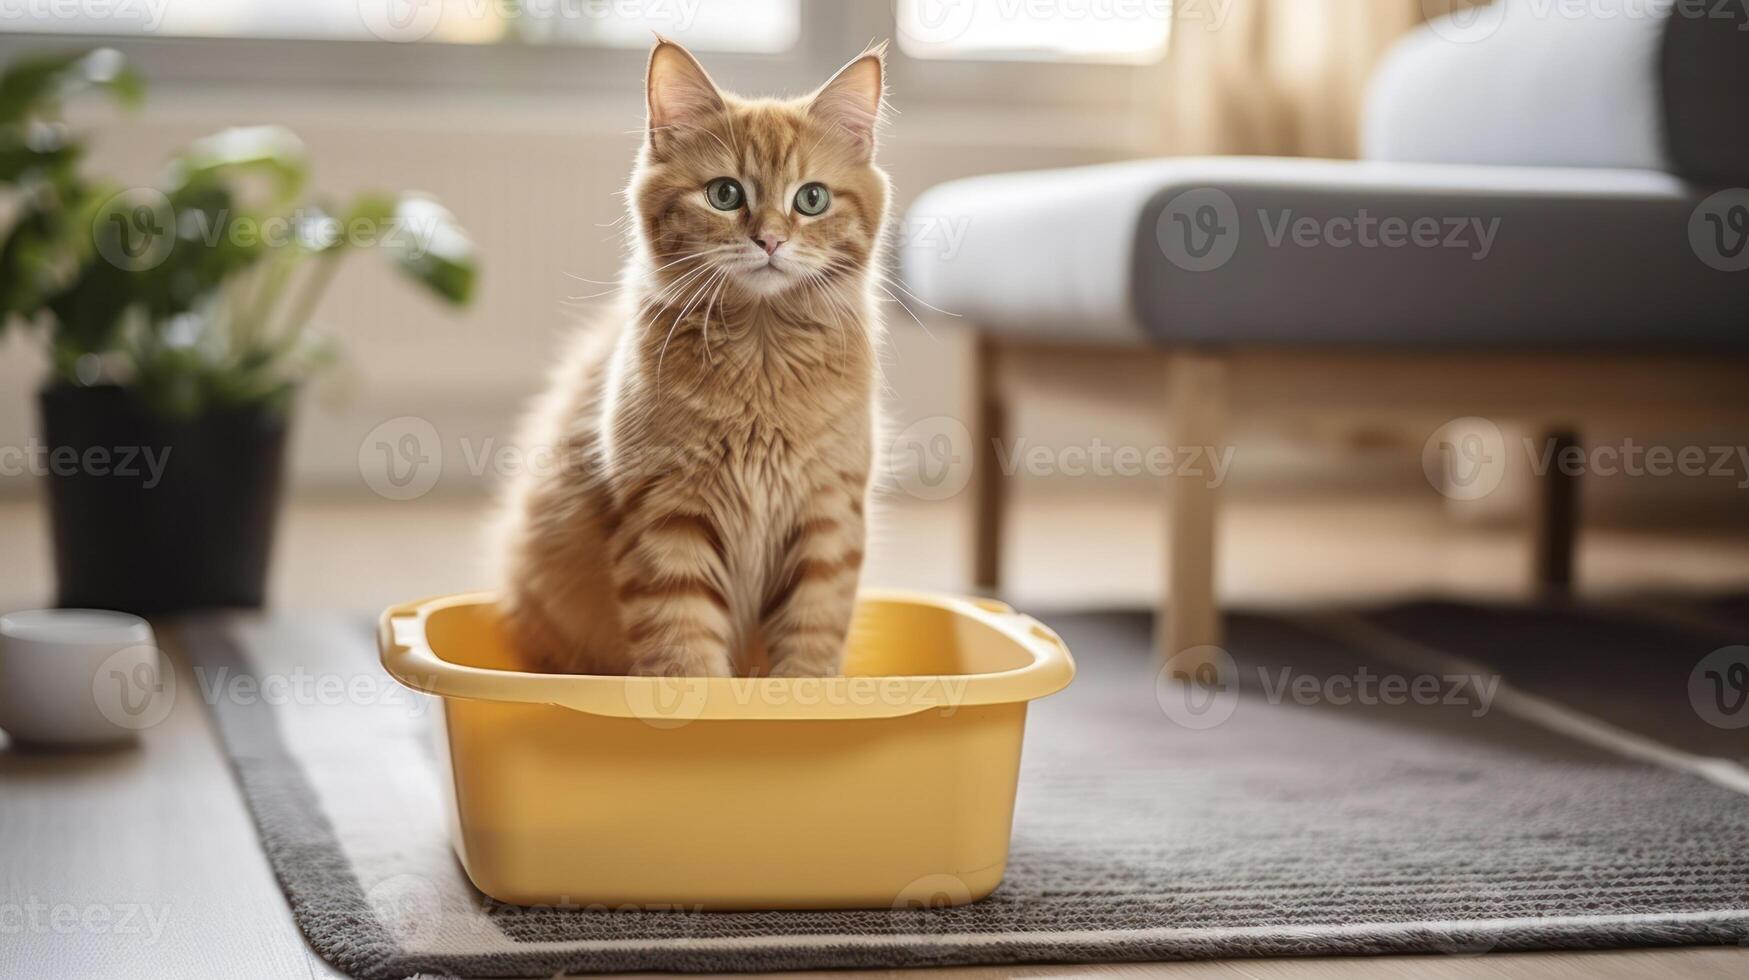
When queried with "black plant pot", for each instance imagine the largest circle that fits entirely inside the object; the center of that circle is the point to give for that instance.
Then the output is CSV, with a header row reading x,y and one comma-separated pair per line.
x,y
156,515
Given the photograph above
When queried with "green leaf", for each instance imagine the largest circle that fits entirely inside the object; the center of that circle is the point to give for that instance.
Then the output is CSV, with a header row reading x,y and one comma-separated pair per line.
x,y
88,312
431,248
36,87
232,155
39,257
20,159
367,219
211,247
377,208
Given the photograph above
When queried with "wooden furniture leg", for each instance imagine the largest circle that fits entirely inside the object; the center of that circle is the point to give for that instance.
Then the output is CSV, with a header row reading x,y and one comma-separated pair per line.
x,y
1557,517
989,488
1190,616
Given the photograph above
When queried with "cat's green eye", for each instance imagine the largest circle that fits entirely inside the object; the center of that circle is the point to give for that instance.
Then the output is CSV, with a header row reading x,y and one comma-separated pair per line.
x,y
724,194
813,199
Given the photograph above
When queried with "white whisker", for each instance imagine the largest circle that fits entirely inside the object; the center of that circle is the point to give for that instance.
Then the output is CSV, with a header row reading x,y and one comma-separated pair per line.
x,y
621,283
894,278
908,310
692,298
722,281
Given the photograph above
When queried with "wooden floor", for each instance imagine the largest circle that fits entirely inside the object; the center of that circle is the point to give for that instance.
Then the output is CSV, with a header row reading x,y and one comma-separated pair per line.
x,y
161,828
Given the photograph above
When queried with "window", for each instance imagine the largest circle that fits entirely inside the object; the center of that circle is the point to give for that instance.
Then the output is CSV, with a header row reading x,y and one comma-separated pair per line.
x,y
1037,30
717,25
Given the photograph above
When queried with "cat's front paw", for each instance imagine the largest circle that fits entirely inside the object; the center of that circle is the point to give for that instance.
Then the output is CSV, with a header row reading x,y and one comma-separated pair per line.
x,y
681,664
796,668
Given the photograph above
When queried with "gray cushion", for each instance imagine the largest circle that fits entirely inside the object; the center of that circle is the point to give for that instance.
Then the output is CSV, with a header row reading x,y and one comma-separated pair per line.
x,y
1509,257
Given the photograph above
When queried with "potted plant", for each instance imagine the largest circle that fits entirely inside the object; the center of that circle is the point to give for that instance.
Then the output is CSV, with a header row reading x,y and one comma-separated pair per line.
x,y
178,323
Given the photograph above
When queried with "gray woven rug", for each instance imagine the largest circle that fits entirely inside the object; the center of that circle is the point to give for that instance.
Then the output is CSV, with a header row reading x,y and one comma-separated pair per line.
x,y
1372,784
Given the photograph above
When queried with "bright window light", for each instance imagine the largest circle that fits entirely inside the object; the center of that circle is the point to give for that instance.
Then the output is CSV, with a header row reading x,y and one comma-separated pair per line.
x,y
717,25
1039,30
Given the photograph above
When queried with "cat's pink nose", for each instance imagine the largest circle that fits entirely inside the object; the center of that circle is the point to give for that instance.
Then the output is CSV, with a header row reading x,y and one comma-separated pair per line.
x,y
768,242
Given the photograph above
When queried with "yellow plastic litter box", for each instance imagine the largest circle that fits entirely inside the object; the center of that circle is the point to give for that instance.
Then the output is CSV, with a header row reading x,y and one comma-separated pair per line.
x,y
888,787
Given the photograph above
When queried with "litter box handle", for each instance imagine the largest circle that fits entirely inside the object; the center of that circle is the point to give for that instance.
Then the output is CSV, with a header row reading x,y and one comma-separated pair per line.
x,y
1053,667
397,657
417,666
1031,632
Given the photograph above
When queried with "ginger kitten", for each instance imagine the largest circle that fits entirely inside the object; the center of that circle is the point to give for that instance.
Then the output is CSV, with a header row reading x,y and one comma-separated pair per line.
x,y
711,441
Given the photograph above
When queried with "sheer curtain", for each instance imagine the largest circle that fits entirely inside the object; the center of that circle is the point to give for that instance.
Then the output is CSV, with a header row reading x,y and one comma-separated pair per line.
x,y
1278,77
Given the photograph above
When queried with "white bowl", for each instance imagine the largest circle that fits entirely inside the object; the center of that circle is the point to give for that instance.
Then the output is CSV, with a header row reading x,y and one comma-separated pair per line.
x,y
74,677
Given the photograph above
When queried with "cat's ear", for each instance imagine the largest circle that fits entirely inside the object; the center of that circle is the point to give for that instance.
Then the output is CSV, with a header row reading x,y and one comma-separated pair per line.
x,y
677,90
851,100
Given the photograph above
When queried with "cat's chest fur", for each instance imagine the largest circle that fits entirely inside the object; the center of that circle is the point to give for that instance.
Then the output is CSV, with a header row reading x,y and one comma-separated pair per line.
x,y
759,469
757,432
